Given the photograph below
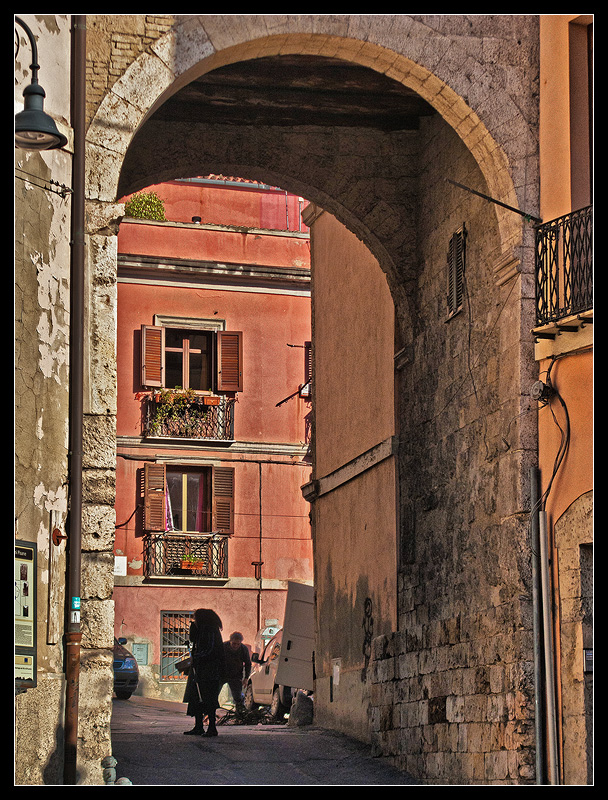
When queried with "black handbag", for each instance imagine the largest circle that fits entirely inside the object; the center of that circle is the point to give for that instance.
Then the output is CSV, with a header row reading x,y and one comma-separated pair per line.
x,y
184,665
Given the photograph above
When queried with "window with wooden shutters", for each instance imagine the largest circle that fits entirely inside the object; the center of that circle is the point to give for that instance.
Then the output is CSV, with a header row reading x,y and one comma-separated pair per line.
x,y
188,499
455,271
155,508
187,358
223,499
230,361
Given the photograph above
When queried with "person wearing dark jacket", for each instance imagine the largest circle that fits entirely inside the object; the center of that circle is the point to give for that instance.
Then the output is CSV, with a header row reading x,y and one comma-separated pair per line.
x,y
207,674
238,665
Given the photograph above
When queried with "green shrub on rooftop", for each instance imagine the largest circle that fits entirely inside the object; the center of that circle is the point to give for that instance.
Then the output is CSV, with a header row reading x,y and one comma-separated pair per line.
x,y
146,205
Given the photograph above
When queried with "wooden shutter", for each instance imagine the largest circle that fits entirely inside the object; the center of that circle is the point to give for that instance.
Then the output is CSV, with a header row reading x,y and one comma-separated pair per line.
x,y
223,499
456,265
152,355
155,504
230,361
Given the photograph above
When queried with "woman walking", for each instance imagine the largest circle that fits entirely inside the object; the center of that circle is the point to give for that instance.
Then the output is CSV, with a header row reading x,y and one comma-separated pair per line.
x,y
207,673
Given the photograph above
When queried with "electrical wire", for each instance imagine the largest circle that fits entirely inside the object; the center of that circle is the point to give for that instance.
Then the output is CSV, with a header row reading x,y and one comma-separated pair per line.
x,y
565,434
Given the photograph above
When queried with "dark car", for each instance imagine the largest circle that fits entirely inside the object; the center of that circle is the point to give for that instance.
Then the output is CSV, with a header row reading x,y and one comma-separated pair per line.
x,y
126,672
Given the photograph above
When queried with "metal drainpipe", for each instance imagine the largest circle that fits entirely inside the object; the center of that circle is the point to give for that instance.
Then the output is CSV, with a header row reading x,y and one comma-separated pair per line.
x,y
260,555
552,744
73,633
537,629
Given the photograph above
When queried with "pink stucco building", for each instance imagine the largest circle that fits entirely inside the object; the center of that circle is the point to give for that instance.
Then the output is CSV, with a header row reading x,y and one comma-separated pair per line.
x,y
213,424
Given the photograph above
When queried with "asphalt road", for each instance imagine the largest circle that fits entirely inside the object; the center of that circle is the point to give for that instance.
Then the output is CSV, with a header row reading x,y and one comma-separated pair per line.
x,y
151,750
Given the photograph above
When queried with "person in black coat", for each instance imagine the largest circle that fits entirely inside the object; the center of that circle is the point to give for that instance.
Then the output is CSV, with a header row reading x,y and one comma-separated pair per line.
x,y
207,673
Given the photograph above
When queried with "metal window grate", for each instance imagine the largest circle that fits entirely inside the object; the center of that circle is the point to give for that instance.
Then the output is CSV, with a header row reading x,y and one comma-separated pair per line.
x,y
175,628
192,418
164,555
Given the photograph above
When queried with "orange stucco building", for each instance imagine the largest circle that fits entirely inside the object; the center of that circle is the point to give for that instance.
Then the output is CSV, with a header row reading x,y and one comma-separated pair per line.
x,y
564,354
229,266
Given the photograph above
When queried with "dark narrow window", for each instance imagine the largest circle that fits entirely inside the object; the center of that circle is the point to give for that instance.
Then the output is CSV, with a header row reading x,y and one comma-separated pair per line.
x,y
455,271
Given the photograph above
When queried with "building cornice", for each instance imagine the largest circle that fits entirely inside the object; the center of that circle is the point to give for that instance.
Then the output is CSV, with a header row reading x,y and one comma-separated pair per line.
x,y
133,268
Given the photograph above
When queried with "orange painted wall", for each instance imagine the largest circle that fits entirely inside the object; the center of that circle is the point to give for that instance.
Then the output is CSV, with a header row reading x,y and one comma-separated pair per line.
x,y
271,516
272,369
194,242
232,202
565,187
563,116
572,377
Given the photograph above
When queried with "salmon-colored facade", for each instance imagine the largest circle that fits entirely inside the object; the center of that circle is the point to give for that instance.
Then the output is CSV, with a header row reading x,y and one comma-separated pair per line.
x,y
564,353
242,267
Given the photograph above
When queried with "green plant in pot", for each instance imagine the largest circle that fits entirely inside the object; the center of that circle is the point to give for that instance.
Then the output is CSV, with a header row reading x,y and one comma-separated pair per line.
x,y
178,411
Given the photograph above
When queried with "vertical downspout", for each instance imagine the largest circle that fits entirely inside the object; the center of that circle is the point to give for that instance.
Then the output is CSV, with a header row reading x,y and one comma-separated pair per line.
x,y
539,714
260,554
552,744
73,633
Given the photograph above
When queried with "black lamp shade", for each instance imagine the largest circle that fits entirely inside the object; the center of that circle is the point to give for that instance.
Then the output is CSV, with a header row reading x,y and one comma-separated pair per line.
x,y
34,128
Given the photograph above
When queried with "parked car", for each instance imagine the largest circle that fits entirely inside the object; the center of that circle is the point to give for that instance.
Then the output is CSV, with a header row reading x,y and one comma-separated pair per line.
x,y
262,688
126,671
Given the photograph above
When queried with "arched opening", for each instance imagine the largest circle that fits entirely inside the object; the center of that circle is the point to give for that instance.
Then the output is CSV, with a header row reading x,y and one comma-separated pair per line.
x,y
455,358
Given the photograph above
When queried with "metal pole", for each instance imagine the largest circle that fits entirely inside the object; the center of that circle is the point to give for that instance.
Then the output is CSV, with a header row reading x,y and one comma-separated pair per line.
x,y
73,634
548,645
537,629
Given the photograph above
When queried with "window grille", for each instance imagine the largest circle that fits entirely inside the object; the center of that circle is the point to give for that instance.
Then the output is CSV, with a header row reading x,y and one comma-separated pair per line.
x,y
175,629
564,266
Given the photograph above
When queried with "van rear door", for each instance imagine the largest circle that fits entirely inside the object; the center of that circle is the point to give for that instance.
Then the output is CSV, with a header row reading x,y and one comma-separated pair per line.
x,y
297,648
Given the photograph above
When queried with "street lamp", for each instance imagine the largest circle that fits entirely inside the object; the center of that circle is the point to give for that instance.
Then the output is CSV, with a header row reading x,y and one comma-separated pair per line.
x,y
35,129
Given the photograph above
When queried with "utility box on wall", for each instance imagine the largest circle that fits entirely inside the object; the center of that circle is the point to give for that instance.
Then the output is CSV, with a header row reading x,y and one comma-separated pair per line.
x,y
140,652
25,600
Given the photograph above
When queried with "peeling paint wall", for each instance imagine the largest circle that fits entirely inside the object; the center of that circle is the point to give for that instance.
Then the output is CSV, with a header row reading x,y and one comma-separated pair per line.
x,y
42,333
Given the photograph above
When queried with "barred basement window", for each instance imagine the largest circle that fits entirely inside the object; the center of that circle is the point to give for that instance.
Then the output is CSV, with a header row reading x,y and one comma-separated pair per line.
x,y
175,630
456,258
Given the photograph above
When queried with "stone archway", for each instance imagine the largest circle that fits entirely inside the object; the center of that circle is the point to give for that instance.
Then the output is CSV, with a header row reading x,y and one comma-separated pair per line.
x,y
408,51
498,152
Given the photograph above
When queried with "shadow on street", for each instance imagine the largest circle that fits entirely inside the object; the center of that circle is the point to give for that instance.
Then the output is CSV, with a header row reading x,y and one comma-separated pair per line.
x,y
151,750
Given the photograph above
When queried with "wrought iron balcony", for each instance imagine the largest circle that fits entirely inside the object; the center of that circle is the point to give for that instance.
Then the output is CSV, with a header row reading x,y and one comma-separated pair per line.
x,y
564,266
177,413
185,554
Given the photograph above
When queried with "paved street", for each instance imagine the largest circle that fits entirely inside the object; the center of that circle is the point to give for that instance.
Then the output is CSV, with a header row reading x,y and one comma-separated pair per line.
x,y
151,750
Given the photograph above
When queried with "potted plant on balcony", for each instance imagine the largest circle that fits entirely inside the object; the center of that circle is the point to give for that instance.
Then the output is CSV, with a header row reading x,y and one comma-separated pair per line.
x,y
192,563
176,411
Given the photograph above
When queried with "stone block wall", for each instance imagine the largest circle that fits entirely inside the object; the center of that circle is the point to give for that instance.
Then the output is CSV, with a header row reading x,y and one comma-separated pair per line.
x,y
114,41
451,687
452,690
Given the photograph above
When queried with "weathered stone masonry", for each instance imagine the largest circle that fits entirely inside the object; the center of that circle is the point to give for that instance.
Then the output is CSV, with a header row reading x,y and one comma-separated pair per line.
x,y
451,690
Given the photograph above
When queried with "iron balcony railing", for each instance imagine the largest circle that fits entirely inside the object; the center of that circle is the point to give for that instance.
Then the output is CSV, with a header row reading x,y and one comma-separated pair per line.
x,y
564,266
180,415
185,554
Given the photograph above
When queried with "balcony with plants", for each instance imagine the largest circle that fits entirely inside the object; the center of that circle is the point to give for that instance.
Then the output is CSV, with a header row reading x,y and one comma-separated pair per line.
x,y
183,413
185,555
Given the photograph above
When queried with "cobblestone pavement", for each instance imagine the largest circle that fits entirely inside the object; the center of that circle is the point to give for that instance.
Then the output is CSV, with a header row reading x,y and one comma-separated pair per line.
x,y
151,750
